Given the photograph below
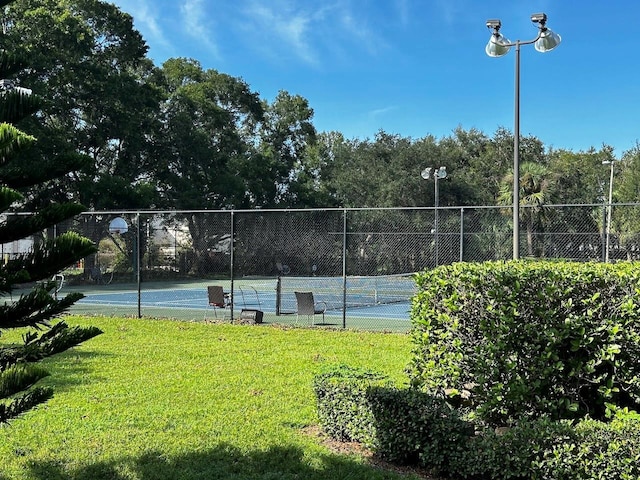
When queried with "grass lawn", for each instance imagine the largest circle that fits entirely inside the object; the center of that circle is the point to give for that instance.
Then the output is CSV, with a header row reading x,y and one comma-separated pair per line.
x,y
152,399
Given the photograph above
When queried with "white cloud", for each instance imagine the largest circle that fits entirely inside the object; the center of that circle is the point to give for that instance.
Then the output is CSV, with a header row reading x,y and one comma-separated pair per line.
x,y
380,112
292,28
286,29
193,13
357,29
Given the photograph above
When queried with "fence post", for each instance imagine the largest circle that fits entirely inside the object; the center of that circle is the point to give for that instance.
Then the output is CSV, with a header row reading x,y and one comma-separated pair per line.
x,y
278,295
604,235
231,259
137,246
461,234
344,268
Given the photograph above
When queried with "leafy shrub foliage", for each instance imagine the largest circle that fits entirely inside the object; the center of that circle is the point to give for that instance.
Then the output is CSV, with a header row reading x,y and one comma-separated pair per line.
x,y
549,353
529,339
415,428
406,426
596,450
555,450
403,426
344,410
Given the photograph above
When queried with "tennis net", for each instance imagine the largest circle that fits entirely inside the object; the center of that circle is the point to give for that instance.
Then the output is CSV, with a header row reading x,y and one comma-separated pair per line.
x,y
350,292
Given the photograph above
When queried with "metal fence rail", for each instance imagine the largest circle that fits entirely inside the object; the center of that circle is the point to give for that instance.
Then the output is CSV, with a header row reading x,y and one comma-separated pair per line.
x,y
162,264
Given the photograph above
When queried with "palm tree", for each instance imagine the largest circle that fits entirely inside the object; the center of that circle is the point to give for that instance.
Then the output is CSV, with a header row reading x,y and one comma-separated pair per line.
x,y
535,189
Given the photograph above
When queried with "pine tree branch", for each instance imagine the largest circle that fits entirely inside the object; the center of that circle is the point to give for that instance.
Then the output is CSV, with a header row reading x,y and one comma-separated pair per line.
x,y
35,309
48,258
12,140
61,337
20,226
58,339
45,259
19,174
20,377
17,104
8,196
10,63
24,402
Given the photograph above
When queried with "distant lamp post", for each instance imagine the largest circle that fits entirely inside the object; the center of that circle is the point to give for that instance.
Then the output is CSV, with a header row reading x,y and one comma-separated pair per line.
x,y
609,208
498,46
435,174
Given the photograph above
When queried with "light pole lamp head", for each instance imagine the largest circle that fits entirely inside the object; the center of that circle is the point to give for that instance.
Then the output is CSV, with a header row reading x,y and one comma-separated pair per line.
x,y
498,45
540,18
547,40
435,173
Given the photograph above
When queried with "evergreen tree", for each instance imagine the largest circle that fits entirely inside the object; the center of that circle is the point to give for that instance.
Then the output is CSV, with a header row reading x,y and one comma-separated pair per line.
x,y
31,271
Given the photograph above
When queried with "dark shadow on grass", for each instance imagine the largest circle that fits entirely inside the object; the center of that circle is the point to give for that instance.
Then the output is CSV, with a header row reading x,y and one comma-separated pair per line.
x,y
71,368
225,462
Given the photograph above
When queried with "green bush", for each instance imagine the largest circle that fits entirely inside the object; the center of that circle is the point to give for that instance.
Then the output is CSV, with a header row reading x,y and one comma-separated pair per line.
x,y
598,450
400,425
529,339
510,454
415,428
344,411
554,450
406,426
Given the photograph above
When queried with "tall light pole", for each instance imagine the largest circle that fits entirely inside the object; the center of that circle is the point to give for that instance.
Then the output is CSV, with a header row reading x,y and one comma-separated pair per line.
x,y
498,46
435,173
609,208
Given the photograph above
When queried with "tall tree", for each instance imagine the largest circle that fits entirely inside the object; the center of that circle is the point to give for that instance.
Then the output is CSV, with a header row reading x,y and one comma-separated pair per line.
x,y
205,148
580,176
89,64
37,306
210,124
280,174
626,188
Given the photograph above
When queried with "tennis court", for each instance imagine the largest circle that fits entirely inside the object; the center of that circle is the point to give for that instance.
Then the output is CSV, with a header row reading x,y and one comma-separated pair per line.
x,y
384,306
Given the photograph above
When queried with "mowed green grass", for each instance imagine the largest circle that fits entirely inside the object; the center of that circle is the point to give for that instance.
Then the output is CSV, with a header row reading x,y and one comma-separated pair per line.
x,y
152,399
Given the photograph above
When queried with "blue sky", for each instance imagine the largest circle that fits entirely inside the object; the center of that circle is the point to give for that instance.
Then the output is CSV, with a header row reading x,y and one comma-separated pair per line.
x,y
418,67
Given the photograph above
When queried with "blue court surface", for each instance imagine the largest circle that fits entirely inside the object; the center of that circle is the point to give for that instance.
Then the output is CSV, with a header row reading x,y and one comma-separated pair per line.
x,y
196,299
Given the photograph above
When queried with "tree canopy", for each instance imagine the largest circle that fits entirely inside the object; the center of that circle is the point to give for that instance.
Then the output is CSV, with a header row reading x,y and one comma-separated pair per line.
x,y
135,135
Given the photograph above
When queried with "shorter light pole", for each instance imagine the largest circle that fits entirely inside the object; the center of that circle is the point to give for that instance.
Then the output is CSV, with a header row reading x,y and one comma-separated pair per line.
x,y
439,173
609,208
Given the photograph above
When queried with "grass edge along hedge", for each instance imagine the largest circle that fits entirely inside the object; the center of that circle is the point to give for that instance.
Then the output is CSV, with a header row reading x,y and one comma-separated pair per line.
x,y
406,426
529,339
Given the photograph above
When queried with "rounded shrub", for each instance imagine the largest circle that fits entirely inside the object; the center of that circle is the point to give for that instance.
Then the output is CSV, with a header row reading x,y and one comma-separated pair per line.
x,y
529,339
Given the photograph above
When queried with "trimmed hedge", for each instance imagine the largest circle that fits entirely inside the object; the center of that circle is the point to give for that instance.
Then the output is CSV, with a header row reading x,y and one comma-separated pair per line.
x,y
560,450
529,339
405,426
402,426
344,410
598,450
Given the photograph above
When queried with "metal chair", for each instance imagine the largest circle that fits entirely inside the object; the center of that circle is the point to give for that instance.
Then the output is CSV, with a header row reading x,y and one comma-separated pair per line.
x,y
307,306
217,299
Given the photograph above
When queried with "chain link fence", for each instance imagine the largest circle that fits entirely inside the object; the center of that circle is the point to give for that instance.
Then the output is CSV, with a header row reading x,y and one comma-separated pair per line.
x,y
358,263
